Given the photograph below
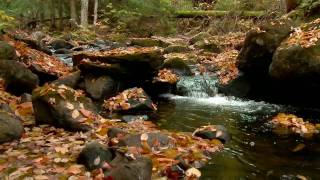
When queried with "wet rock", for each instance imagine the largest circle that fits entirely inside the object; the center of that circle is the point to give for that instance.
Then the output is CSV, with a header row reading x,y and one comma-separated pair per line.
x,y
178,66
7,51
259,46
123,168
208,45
100,87
148,42
18,78
129,118
61,106
63,51
199,37
61,44
94,155
70,80
132,100
213,132
176,49
25,97
10,126
154,140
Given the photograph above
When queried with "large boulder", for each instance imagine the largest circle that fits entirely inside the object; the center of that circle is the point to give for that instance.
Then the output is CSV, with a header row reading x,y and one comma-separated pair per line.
x,y
7,51
298,57
209,45
62,106
18,78
10,126
100,87
260,44
150,57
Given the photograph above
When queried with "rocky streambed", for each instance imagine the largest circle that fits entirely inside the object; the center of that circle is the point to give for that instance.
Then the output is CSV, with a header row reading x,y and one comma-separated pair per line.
x,y
159,108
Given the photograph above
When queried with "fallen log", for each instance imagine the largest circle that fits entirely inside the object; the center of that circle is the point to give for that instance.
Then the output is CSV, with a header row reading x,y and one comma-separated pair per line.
x,y
214,13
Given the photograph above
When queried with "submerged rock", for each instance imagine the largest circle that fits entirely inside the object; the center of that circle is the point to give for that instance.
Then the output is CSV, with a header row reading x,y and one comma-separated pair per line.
x,y
154,140
10,126
129,118
18,78
213,132
7,51
94,155
61,106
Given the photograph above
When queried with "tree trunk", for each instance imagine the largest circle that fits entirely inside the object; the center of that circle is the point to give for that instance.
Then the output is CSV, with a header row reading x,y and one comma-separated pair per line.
x,y
60,14
95,16
52,10
84,13
291,5
73,10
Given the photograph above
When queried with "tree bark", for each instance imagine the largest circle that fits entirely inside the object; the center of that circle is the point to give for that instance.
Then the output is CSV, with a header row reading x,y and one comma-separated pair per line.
x,y
73,10
60,14
95,11
84,13
52,10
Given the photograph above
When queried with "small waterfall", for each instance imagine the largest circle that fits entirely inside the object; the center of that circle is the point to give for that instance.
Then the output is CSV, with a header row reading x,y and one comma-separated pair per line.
x,y
199,86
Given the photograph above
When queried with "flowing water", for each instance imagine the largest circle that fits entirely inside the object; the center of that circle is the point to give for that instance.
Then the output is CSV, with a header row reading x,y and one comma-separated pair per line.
x,y
254,152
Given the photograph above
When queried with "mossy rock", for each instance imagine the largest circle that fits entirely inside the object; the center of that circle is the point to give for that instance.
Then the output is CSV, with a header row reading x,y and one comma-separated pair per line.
x,y
208,45
178,66
260,45
200,36
7,51
148,42
296,58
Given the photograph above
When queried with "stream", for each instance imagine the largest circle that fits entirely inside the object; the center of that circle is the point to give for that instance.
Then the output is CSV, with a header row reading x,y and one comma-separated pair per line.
x,y
253,152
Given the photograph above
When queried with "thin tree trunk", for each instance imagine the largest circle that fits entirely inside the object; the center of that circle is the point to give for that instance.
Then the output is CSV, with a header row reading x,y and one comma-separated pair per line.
x,y
73,10
95,16
52,13
84,13
60,14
